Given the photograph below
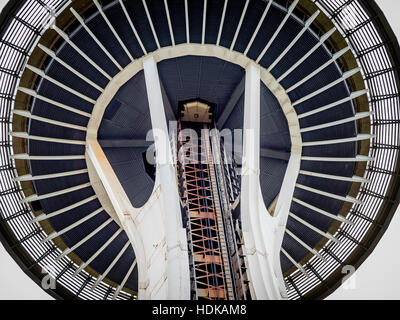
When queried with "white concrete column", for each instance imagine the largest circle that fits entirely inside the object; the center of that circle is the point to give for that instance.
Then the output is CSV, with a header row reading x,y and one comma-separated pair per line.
x,y
176,240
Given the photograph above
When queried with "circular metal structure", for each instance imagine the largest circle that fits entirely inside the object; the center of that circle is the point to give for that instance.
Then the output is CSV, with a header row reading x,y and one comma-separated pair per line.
x,y
71,69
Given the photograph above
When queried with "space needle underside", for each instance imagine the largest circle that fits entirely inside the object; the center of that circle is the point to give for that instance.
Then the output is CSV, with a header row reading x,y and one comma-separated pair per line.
x,y
116,175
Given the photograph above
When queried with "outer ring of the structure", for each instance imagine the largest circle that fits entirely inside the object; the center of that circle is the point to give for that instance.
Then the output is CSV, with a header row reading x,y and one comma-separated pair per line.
x,y
392,45
59,293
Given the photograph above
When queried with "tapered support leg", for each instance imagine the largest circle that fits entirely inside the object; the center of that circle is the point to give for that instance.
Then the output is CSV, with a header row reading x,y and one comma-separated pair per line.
x,y
263,234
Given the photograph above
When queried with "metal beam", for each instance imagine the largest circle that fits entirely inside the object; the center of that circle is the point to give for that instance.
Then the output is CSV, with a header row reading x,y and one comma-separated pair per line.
x,y
308,54
25,156
128,274
344,77
24,135
41,73
29,177
68,67
132,26
239,26
298,266
328,159
352,96
359,137
88,237
315,72
187,22
305,245
358,116
310,226
72,226
98,42
221,25
323,212
151,23
27,114
100,9
278,30
330,195
339,178
171,31
112,264
84,55
307,24
203,32
63,210
36,197
258,27
97,253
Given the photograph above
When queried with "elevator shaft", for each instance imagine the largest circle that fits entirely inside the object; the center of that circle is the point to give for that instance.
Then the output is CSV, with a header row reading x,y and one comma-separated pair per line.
x,y
216,266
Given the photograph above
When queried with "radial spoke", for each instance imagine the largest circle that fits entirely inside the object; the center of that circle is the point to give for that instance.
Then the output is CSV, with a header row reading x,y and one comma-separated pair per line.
x,y
72,226
253,37
294,41
339,178
132,27
352,96
310,226
81,242
36,197
171,31
84,55
358,116
67,66
54,103
41,73
98,42
314,73
151,23
302,243
187,22
308,54
50,176
345,76
100,9
298,266
25,156
203,32
63,210
128,274
359,137
98,252
240,24
112,264
330,195
323,212
27,114
24,135
358,158
221,25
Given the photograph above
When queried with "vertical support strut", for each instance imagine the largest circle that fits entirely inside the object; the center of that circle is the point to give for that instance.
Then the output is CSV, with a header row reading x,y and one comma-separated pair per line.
x,y
261,239
177,258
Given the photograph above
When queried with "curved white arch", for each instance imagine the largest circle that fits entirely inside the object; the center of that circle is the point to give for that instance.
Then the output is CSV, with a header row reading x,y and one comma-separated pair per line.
x,y
191,49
